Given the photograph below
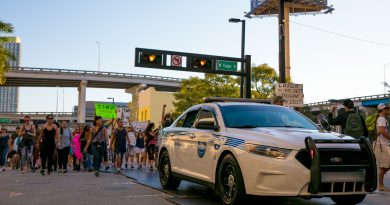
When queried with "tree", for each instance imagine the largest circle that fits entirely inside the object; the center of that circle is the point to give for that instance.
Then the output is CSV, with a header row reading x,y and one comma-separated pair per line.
x,y
194,90
5,55
264,79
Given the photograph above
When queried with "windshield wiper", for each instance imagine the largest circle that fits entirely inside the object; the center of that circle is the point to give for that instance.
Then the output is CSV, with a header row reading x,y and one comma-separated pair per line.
x,y
289,126
245,126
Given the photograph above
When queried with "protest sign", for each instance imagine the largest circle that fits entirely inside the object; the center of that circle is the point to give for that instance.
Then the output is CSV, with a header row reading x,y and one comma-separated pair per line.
x,y
292,93
139,126
106,111
124,115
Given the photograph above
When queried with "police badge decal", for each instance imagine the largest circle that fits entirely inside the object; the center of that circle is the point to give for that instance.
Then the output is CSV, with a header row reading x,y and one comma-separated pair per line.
x,y
201,149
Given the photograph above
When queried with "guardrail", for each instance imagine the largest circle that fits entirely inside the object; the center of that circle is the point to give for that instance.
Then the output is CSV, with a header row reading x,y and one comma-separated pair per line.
x,y
39,113
370,97
96,73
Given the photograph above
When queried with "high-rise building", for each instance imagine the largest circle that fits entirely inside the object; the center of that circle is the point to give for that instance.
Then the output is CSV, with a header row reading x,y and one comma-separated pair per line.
x,y
9,96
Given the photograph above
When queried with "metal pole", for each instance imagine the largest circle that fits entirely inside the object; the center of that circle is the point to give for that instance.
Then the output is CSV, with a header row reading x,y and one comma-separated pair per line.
x,y
98,55
63,100
242,58
57,105
384,79
248,72
282,53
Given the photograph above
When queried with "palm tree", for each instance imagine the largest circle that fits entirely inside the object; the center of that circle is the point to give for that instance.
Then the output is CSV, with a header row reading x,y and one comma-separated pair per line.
x,y
5,55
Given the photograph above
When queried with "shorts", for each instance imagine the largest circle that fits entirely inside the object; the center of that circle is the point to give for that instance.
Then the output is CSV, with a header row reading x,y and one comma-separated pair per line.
x,y
382,156
139,150
130,150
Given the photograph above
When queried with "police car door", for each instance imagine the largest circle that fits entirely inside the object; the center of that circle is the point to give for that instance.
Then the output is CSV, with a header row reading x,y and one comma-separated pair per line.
x,y
181,135
202,149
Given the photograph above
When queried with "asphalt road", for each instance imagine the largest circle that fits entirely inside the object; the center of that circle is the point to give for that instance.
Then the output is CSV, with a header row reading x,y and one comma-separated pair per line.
x,y
75,188
132,187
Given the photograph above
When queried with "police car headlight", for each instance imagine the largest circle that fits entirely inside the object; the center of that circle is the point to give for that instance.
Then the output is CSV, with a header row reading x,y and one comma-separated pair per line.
x,y
268,151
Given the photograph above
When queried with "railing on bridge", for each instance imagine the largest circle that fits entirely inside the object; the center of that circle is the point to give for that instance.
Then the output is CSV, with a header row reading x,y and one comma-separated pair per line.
x,y
97,73
370,97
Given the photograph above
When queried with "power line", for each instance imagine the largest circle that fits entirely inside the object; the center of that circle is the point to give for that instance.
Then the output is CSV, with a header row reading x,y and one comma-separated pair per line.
x,y
342,35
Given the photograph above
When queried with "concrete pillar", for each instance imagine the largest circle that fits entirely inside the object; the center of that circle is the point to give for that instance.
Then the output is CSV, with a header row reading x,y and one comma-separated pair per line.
x,y
287,41
81,106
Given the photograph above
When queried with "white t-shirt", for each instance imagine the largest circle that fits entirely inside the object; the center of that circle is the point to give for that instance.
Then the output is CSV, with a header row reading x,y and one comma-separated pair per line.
x,y
382,122
132,138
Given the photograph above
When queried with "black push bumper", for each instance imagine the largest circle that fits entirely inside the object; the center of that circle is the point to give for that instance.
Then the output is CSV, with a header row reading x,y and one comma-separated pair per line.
x,y
364,160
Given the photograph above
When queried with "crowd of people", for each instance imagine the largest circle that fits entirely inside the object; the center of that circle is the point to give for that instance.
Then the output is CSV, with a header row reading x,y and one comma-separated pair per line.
x,y
56,146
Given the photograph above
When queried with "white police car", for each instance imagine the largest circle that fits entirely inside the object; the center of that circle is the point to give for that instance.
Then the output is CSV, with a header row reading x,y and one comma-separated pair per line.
x,y
247,148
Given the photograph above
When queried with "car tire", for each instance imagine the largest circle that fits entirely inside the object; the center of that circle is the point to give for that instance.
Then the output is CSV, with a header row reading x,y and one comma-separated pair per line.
x,y
231,185
348,199
167,181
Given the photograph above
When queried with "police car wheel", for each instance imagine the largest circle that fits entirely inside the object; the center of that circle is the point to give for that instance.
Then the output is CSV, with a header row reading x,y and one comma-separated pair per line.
x,y
348,199
167,181
231,184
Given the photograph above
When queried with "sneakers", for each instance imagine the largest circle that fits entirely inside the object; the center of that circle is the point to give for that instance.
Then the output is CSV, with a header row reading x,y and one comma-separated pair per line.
x,y
64,171
107,167
3,169
60,170
96,174
42,172
139,166
132,166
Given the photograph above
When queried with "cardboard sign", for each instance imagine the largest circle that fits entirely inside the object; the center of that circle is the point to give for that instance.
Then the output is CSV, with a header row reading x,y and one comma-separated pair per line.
x,y
139,126
124,115
107,111
292,93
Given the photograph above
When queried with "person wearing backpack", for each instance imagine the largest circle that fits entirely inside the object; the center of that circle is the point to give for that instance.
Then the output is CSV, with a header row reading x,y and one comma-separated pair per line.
x,y
352,124
381,145
371,127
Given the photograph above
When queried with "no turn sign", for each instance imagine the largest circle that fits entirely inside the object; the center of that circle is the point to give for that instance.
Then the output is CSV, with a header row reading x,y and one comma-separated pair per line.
x,y
176,61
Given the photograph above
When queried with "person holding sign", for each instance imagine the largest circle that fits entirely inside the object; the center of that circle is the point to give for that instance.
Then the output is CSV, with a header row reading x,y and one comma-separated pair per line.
x,y
278,100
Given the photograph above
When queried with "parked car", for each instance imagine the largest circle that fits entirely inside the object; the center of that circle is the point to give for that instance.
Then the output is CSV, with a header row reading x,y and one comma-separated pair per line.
x,y
250,148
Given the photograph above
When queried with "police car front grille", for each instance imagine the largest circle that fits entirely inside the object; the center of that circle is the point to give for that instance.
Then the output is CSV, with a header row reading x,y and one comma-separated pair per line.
x,y
342,187
348,158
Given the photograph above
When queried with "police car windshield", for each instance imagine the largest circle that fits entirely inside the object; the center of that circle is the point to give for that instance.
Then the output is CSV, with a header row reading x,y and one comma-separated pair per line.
x,y
252,116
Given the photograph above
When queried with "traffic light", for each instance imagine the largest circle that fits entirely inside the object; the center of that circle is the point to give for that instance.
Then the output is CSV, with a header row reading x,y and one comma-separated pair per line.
x,y
205,63
151,58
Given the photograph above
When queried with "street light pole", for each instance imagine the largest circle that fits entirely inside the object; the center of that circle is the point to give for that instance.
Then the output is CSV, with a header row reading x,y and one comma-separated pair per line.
x,y
98,55
113,102
233,20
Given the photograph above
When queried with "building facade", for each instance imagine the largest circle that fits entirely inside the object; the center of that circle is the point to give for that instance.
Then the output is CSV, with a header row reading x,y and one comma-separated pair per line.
x,y
9,96
151,104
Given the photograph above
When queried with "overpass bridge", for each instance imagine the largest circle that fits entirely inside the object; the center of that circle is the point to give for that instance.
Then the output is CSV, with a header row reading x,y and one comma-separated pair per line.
x,y
52,77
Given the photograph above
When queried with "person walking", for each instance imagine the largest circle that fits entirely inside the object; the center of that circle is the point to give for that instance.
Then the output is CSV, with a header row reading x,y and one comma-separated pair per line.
x,y
381,145
131,146
151,142
98,141
66,139
352,124
5,144
120,139
77,154
28,132
140,153
12,152
49,137
87,153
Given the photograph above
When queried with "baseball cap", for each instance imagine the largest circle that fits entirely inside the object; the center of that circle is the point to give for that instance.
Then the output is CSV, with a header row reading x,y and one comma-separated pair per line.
x,y
348,103
382,106
279,98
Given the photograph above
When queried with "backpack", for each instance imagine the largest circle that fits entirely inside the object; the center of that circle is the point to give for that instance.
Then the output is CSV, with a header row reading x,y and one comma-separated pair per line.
x,y
371,121
353,126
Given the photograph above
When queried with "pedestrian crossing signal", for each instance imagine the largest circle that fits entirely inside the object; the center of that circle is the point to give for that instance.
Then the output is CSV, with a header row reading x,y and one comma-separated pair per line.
x,y
205,63
151,58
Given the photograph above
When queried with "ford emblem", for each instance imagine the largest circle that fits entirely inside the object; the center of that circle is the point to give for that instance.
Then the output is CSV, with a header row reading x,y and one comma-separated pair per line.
x,y
336,160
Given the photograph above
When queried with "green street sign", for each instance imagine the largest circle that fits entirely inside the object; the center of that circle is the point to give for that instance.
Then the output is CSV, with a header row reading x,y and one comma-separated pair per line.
x,y
226,65
5,120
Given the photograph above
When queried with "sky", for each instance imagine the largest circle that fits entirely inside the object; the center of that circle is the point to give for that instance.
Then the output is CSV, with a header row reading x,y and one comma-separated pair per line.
x,y
63,34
